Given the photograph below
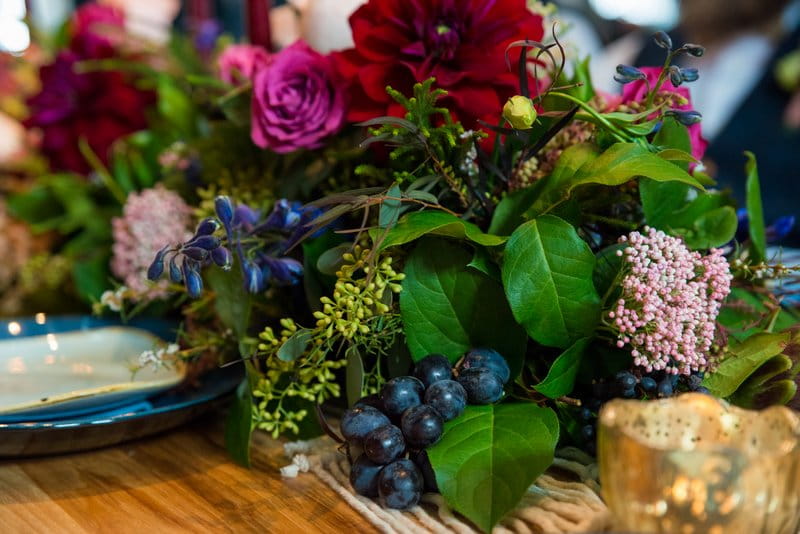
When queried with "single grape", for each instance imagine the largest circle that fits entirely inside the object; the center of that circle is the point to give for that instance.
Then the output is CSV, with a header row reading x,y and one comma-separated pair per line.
x,y
702,389
420,458
665,388
586,414
626,380
648,384
448,397
401,393
693,382
358,421
482,385
385,444
587,432
433,368
629,393
370,400
400,485
485,358
422,426
364,476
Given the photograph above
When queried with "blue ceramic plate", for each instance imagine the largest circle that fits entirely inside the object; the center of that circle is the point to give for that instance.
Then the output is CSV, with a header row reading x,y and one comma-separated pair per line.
x,y
56,367
83,429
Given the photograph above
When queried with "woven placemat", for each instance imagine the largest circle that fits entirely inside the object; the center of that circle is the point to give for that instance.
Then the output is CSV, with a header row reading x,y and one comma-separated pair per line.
x,y
564,500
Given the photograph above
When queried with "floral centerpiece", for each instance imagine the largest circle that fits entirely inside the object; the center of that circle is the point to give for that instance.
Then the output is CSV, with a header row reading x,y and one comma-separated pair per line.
x,y
442,194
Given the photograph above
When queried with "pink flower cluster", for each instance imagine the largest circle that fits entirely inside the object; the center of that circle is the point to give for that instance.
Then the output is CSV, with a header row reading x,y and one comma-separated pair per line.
x,y
670,300
150,219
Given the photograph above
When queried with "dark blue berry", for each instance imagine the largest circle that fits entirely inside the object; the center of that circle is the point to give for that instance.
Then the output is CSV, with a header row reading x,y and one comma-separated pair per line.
x,y
447,397
693,382
665,388
586,414
648,384
587,432
364,476
629,393
482,385
359,421
370,400
702,389
401,393
626,380
400,485
385,444
422,426
486,358
433,368
420,458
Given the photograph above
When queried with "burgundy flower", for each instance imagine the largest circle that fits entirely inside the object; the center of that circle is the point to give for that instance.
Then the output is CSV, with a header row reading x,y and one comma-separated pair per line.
x,y
637,92
238,63
297,101
99,106
94,30
460,42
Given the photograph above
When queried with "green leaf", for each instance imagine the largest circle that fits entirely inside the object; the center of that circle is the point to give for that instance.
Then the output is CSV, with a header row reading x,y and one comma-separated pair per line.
x,y
755,211
315,283
330,261
448,308
744,360
561,377
607,267
91,276
483,262
660,200
581,165
390,208
712,229
547,275
295,346
417,224
509,212
761,389
239,425
175,105
354,375
232,302
488,458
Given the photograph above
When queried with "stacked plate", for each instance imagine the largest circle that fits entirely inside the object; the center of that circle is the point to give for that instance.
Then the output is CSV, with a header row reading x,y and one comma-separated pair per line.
x,y
66,384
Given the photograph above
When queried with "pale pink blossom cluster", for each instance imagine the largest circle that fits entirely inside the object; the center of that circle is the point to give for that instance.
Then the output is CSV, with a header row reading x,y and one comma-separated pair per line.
x,y
150,219
670,300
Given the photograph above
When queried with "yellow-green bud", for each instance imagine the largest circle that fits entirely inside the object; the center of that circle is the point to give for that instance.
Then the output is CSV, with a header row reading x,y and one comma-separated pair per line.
x,y
519,112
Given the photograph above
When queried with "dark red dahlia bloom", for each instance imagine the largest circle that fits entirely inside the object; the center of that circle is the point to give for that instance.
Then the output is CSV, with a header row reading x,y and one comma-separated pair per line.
x,y
100,106
460,42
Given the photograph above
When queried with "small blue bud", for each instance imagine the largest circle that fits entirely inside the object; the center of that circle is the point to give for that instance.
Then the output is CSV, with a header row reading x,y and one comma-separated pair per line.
x,y
690,74
675,75
285,271
224,209
207,226
175,271
245,216
253,279
156,268
662,39
626,74
195,253
192,279
780,228
207,242
693,49
685,117
222,257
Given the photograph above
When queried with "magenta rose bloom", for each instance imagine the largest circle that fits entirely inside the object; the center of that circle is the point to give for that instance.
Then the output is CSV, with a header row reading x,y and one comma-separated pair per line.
x,y
297,101
637,92
239,63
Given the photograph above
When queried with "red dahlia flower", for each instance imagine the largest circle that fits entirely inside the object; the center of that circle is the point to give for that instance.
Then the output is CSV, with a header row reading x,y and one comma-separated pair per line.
x,y
460,42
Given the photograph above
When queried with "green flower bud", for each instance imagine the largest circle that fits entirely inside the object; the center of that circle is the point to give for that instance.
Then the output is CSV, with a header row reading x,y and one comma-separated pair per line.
x,y
519,112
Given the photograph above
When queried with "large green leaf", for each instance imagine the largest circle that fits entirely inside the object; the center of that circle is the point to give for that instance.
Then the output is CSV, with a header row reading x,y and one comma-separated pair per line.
x,y
415,225
232,302
712,229
744,360
561,377
509,212
489,457
547,275
448,308
239,425
582,165
755,211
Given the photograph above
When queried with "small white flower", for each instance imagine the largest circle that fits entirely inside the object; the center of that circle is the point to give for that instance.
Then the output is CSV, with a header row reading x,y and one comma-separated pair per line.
x,y
172,348
111,300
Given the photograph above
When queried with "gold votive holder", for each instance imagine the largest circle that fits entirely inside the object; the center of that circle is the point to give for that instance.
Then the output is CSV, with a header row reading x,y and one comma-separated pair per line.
x,y
693,464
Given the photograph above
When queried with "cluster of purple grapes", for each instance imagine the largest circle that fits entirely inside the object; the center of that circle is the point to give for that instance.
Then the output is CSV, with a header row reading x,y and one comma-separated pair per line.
x,y
393,429
628,385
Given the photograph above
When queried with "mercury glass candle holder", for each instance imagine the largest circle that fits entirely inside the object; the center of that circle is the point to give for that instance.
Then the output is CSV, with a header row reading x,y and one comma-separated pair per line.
x,y
693,464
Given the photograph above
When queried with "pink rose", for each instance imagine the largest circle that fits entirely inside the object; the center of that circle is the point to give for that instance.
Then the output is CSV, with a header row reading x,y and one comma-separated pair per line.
x,y
637,92
297,101
96,30
239,63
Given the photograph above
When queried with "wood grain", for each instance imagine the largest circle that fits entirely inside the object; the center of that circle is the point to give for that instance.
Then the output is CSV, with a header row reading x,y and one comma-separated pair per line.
x,y
179,482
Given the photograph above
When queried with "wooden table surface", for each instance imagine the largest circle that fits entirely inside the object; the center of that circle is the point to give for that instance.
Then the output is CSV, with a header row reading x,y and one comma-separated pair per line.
x,y
181,481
